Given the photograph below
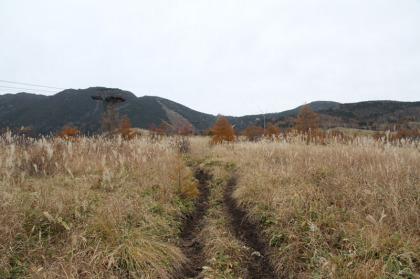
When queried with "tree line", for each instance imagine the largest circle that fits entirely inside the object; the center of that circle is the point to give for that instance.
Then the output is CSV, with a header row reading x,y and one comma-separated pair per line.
x,y
307,123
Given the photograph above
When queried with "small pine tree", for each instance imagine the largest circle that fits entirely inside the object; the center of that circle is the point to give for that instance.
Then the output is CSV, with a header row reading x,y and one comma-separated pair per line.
x,y
185,131
307,120
222,131
67,132
184,180
272,131
125,128
253,132
163,128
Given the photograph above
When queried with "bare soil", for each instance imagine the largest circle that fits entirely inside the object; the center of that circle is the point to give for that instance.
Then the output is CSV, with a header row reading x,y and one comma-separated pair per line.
x,y
258,264
190,246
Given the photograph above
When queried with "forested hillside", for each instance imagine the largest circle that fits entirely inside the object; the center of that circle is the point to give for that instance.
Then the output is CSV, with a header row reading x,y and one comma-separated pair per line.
x,y
47,114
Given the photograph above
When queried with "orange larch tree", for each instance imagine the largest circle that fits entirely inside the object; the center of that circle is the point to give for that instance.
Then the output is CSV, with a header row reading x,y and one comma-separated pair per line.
x,y
67,132
222,131
163,128
253,132
307,120
125,128
185,131
272,131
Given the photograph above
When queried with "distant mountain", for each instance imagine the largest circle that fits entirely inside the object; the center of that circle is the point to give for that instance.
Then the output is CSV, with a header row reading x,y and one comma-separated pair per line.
x,y
242,122
373,114
47,114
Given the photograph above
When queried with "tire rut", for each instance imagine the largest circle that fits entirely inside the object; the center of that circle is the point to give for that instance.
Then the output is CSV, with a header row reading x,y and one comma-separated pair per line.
x,y
258,260
191,248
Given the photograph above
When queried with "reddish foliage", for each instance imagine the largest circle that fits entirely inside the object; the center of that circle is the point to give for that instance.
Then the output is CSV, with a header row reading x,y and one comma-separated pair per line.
x,y
253,132
185,131
125,128
222,131
67,132
272,131
161,130
307,120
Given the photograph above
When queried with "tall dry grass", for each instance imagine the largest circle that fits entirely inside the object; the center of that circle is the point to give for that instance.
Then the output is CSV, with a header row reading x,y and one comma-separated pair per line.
x,y
225,255
92,208
331,211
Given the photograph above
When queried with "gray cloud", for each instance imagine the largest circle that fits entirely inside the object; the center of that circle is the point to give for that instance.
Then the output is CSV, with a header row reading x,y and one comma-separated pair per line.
x,y
230,57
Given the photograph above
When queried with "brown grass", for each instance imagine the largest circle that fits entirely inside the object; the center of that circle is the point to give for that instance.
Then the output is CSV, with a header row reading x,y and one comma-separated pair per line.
x,y
331,211
93,208
224,253
101,208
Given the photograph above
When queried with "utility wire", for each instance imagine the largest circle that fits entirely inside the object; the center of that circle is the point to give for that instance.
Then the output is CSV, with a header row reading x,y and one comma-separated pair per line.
x,y
32,84
42,90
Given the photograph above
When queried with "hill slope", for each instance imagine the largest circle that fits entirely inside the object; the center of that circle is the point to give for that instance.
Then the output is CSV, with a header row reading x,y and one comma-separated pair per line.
x,y
47,114
373,114
244,121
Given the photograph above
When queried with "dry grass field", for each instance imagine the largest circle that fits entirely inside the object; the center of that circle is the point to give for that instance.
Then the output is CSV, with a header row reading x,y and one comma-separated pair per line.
x,y
93,208
330,211
100,208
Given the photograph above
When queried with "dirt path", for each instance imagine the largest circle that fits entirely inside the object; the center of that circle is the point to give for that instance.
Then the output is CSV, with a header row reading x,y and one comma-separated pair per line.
x,y
258,261
191,248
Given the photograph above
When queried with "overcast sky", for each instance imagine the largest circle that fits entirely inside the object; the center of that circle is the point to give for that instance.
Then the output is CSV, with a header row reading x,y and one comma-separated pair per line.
x,y
228,57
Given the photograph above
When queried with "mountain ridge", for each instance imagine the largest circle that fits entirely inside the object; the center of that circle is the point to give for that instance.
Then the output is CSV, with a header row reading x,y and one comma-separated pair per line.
x,y
47,114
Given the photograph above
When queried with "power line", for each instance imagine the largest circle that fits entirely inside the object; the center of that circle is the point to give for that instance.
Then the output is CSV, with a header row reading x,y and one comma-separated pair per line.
x,y
41,90
31,84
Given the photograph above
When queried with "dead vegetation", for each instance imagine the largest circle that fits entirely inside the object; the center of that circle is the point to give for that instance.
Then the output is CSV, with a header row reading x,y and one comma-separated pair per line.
x,y
94,208
337,210
110,208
